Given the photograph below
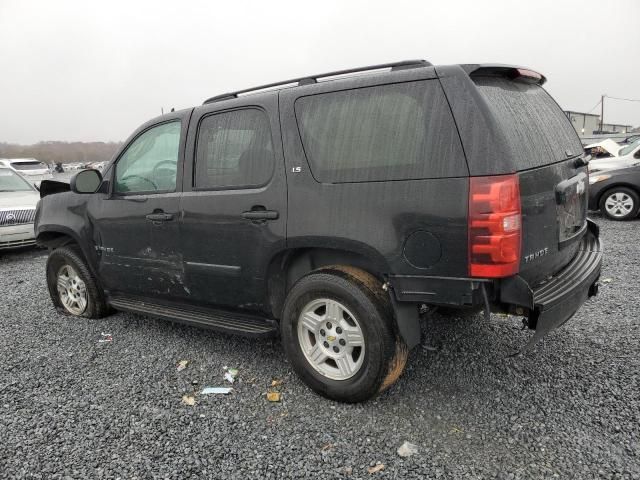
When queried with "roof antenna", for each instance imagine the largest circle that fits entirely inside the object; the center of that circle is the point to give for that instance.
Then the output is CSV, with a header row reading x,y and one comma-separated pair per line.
x,y
173,109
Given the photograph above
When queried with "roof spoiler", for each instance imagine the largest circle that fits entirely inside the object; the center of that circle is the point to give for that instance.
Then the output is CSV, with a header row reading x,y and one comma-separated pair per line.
x,y
520,74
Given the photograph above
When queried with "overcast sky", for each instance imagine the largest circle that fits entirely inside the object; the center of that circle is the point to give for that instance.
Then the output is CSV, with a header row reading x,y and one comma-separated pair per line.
x,y
84,70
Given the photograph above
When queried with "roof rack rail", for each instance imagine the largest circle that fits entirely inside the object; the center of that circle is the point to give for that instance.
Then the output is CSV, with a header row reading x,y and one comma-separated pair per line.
x,y
309,79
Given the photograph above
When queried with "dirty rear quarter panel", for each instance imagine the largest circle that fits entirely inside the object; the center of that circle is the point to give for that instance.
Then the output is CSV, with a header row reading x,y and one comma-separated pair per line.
x,y
374,218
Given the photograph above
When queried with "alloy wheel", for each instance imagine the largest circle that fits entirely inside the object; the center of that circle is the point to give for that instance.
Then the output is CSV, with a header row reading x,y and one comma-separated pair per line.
x,y
619,204
72,290
331,339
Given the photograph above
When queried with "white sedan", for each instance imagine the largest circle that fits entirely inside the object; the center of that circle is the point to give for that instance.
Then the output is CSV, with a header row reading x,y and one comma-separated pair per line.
x,y
18,200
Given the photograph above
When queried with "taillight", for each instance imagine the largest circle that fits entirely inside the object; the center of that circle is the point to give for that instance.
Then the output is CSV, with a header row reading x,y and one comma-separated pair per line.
x,y
495,226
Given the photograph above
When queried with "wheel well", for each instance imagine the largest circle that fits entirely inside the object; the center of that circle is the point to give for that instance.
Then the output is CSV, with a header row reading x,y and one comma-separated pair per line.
x,y
54,239
286,268
618,185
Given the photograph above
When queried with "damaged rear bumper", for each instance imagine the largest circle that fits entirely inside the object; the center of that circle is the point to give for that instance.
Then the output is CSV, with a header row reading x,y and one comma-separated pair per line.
x,y
555,301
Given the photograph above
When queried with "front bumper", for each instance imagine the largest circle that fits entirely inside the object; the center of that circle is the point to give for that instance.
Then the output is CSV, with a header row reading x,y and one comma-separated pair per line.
x,y
555,301
17,236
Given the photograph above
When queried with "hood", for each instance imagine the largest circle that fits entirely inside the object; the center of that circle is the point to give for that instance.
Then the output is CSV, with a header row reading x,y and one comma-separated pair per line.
x,y
611,163
609,145
10,200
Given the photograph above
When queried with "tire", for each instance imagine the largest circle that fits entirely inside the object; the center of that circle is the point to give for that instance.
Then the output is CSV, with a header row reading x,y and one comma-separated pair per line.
x,y
362,307
620,203
67,262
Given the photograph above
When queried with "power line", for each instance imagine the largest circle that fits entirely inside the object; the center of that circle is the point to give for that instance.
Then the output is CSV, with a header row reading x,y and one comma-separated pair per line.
x,y
595,106
625,99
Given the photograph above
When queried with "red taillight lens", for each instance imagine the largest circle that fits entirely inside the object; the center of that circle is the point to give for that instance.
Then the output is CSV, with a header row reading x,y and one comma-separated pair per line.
x,y
495,226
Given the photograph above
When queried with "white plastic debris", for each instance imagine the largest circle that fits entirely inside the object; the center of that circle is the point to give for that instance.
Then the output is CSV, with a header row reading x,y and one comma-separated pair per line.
x,y
106,338
221,390
230,374
407,449
182,364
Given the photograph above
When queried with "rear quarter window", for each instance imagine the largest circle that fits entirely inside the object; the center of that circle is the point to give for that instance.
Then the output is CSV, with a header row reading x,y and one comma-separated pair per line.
x,y
389,132
536,128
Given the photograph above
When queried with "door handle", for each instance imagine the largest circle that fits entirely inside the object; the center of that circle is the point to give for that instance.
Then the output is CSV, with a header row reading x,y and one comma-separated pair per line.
x,y
260,215
159,217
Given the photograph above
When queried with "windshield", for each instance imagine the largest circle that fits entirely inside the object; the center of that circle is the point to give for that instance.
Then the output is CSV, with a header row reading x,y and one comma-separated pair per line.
x,y
10,181
629,148
34,165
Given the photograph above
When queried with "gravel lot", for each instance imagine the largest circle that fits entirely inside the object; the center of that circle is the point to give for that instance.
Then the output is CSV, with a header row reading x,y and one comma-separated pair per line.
x,y
75,408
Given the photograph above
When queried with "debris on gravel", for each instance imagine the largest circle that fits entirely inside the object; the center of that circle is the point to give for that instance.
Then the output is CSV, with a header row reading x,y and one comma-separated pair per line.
x,y
407,449
73,408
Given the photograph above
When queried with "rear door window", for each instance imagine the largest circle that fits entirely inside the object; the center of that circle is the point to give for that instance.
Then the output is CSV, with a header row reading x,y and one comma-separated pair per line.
x,y
388,132
234,150
533,123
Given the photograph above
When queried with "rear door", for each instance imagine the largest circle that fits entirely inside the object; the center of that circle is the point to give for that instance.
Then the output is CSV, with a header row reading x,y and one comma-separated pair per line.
x,y
235,201
542,146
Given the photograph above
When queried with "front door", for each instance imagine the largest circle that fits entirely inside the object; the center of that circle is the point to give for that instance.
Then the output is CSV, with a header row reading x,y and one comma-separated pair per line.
x,y
234,204
137,225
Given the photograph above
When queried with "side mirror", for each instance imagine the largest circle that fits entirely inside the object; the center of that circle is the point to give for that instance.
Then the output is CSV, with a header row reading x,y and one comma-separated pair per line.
x,y
86,181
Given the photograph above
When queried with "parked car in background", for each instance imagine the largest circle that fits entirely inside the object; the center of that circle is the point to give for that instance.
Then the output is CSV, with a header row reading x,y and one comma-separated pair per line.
x,y
28,167
18,200
626,156
604,149
97,165
616,192
629,139
332,211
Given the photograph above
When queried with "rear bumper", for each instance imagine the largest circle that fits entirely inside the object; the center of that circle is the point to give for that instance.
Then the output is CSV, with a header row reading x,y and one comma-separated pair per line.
x,y
555,301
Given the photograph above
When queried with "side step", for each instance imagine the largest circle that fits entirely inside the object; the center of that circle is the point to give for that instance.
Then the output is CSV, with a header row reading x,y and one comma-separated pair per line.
x,y
237,323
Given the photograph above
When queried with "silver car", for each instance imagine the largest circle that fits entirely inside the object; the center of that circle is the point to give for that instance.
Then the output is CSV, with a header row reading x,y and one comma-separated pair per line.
x,y
18,200
626,156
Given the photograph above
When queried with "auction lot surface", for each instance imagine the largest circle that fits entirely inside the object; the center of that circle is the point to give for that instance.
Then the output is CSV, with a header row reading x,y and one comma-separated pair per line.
x,y
71,407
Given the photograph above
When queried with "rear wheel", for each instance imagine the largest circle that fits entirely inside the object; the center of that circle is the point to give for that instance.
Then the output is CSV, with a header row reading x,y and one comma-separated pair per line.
x,y
338,333
620,203
71,285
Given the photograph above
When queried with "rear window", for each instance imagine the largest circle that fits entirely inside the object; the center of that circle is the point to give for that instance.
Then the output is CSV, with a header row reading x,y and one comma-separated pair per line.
x,y
388,132
532,121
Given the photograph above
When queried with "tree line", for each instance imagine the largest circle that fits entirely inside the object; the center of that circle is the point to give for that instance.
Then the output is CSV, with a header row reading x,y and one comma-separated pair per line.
x,y
61,152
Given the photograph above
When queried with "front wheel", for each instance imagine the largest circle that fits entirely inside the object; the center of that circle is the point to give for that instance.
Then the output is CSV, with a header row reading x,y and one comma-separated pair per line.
x,y
71,285
620,203
338,333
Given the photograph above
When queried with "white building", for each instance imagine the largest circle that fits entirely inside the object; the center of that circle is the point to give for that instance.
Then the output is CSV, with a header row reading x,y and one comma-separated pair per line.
x,y
587,124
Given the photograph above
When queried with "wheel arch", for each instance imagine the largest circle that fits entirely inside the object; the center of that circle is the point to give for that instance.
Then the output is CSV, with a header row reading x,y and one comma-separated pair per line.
x,y
623,184
288,266
59,236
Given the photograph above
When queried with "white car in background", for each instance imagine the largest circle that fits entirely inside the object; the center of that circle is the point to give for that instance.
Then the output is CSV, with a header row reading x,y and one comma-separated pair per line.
x,y
29,167
18,200
625,157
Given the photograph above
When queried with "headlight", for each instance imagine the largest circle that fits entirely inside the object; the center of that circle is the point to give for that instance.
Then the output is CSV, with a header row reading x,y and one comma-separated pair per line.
x,y
598,178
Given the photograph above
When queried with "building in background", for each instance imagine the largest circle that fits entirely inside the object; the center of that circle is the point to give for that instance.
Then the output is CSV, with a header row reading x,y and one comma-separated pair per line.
x,y
587,124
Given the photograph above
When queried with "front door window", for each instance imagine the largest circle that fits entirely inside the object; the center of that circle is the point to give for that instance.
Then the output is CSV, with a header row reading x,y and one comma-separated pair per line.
x,y
149,164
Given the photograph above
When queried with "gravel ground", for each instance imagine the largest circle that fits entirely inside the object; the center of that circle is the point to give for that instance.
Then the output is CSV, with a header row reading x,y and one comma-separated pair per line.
x,y
75,408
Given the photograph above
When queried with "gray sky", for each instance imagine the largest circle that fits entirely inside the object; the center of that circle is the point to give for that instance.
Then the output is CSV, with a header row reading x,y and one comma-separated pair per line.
x,y
83,70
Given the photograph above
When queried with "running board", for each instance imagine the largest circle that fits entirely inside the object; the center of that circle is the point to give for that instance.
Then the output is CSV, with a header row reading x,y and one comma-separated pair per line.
x,y
236,323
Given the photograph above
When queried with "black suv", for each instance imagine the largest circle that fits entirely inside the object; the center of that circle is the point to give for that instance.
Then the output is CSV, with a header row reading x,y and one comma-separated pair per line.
x,y
332,209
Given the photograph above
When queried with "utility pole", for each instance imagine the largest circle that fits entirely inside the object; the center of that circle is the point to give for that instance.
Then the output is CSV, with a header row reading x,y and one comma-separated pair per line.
x,y
601,112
